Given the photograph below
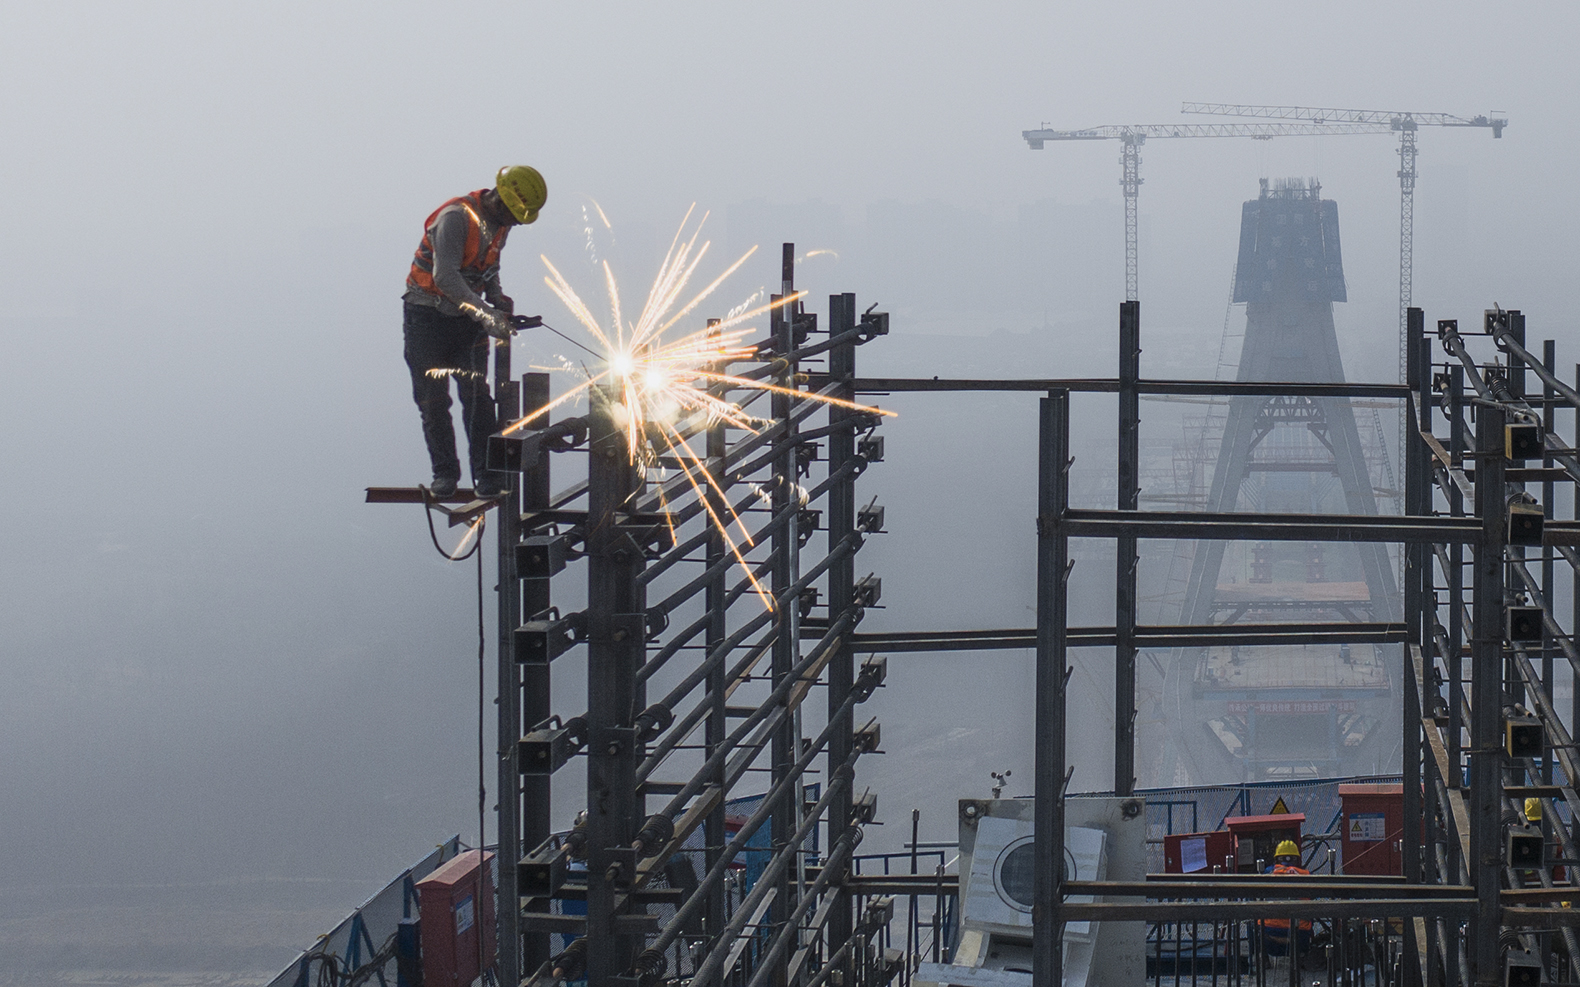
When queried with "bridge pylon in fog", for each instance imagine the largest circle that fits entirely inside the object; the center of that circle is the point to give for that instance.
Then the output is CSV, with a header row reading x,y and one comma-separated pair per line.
x,y
1289,274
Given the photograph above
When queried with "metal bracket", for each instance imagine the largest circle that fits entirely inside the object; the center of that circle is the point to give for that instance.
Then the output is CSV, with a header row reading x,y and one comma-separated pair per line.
x,y
541,873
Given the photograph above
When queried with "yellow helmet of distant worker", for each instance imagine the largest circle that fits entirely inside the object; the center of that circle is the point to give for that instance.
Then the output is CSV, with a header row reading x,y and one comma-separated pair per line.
x,y
522,190
1288,848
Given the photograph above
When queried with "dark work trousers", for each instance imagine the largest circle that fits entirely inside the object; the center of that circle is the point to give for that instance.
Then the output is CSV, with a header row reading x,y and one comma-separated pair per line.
x,y
452,343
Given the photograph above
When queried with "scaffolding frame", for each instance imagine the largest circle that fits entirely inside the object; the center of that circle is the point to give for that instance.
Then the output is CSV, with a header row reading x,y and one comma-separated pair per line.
x,y
798,922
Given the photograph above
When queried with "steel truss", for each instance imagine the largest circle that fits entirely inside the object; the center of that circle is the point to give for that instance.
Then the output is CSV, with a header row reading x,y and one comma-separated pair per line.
x,y
1478,899
1468,908
697,688
692,683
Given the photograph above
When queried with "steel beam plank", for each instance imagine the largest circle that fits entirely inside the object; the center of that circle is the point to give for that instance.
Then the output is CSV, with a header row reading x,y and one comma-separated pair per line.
x,y
1090,523
1155,636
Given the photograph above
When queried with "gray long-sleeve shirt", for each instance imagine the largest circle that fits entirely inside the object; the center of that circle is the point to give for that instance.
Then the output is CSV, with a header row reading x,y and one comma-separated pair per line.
x,y
449,244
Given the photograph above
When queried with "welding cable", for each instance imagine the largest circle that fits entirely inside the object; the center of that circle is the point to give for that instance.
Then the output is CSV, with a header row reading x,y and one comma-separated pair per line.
x,y
433,535
568,339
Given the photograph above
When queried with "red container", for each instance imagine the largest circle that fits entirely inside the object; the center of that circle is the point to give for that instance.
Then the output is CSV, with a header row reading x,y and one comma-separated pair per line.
x,y
455,909
1257,837
1372,823
1198,853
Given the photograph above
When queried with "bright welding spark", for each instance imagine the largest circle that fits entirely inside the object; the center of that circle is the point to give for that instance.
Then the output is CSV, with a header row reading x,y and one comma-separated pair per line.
x,y
466,539
662,390
821,252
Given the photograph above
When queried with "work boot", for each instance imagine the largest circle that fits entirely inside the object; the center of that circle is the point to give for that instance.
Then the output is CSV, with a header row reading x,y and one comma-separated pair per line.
x,y
488,488
443,486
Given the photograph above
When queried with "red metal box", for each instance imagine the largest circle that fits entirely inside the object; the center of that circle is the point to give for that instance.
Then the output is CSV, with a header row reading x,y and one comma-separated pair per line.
x,y
456,904
1372,824
1257,837
1198,853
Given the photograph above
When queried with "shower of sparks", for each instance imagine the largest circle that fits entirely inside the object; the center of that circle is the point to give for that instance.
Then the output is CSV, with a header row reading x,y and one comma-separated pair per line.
x,y
666,390
466,539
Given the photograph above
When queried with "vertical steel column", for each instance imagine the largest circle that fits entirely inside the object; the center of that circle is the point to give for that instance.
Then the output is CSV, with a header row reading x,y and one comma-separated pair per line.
x,y
534,680
841,588
1456,594
1514,682
615,632
1426,621
1549,424
1486,757
786,541
1417,590
507,518
1053,552
1125,559
1437,973
716,599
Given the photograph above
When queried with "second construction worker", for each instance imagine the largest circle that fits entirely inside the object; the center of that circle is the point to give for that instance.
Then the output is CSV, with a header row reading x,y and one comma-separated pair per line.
x,y
453,305
1286,862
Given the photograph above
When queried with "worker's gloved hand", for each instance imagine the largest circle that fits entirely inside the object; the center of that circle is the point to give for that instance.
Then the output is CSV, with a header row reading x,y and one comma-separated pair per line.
x,y
494,322
504,303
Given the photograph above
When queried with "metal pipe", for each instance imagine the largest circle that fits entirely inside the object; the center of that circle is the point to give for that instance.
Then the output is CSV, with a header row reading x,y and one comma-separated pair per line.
x,y
747,830
683,728
767,964
771,875
782,689
683,637
784,601
1514,344
772,435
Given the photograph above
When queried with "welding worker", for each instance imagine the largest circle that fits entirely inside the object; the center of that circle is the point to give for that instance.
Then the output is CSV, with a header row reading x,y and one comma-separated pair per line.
x,y
453,305
1275,931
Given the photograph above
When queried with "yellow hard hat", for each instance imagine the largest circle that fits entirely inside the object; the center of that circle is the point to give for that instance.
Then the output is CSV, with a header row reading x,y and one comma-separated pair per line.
x,y
1288,848
522,190
1533,810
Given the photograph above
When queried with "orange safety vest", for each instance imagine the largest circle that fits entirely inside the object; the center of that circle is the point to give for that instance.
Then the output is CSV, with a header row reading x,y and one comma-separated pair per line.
x,y
479,261
1277,924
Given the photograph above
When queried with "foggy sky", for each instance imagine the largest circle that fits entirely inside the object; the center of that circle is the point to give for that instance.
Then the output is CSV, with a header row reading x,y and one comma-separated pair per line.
x,y
220,666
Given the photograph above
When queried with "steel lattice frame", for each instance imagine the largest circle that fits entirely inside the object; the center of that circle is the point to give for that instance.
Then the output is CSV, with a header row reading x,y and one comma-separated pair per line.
x,y
799,924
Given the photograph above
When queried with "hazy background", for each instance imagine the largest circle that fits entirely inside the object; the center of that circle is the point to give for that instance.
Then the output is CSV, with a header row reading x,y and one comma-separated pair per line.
x,y
235,699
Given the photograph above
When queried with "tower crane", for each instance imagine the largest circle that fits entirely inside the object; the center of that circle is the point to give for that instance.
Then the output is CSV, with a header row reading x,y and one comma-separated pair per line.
x,y
1132,136
1405,123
